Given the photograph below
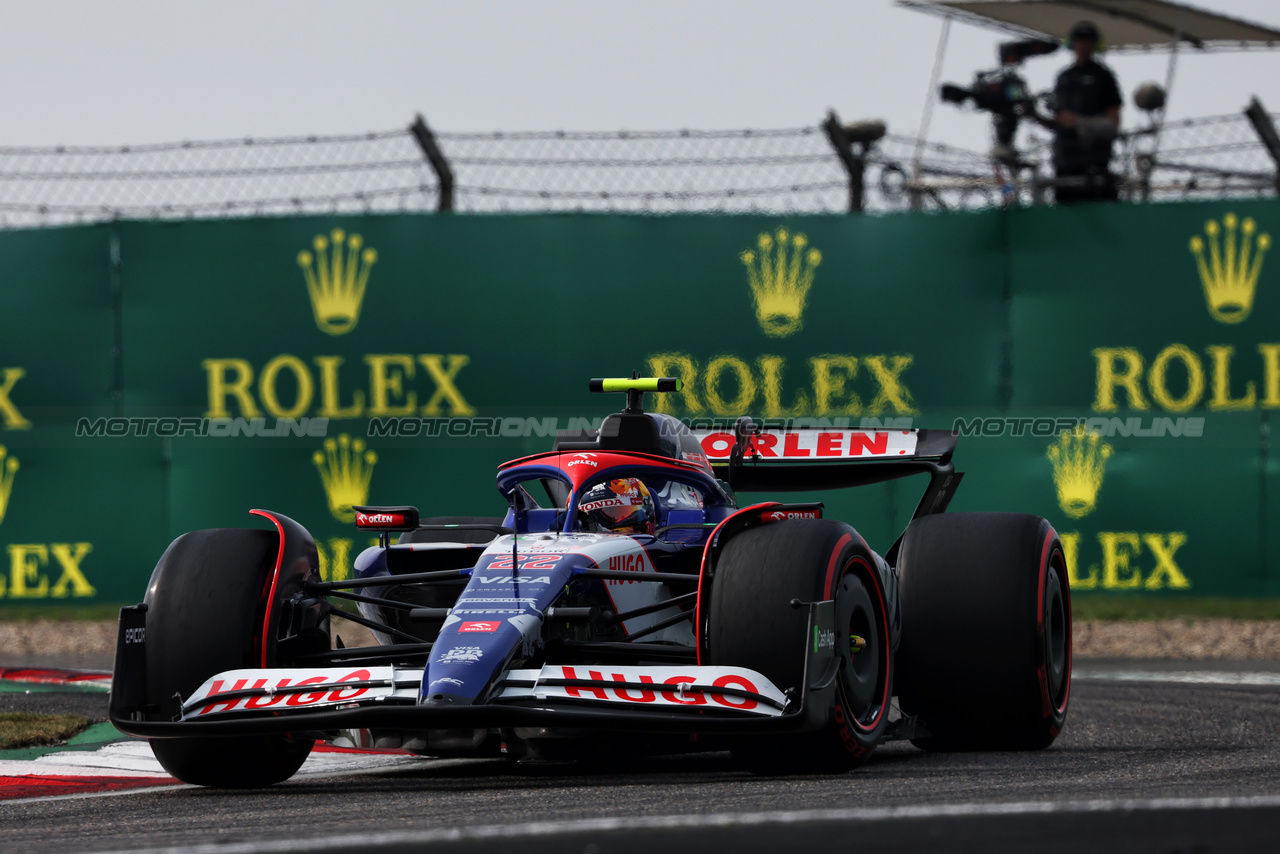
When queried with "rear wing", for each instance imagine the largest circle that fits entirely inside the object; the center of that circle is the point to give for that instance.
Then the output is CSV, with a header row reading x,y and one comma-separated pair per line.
x,y
766,459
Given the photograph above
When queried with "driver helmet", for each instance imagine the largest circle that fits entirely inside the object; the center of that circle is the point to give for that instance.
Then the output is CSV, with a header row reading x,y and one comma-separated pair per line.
x,y
622,505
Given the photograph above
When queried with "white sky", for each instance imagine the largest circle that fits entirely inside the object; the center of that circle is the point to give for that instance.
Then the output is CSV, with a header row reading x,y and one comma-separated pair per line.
x,y
136,71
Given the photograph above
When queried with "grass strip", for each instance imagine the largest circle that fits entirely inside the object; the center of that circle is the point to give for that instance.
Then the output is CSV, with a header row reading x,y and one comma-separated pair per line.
x,y
66,613
26,729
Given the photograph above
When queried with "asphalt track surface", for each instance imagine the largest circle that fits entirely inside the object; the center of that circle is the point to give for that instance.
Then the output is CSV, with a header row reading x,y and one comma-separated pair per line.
x,y
1142,766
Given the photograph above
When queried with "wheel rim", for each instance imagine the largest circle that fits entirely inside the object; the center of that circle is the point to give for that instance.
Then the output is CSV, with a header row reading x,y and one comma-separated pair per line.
x,y
1055,634
862,670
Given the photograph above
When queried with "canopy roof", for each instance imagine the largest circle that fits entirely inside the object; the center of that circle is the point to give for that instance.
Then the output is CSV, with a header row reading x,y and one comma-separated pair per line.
x,y
1126,25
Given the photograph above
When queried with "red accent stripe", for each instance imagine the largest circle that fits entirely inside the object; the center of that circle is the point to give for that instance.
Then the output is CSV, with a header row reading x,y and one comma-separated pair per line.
x,y
275,577
321,747
13,788
702,573
831,565
1045,556
640,456
884,623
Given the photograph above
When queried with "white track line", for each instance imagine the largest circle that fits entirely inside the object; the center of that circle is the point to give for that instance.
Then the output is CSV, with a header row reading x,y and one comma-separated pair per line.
x,y
1187,677
80,796
112,759
719,821
133,758
303,774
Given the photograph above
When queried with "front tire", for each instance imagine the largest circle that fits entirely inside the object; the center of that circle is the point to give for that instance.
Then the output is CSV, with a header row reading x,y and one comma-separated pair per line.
x,y
985,658
753,624
205,611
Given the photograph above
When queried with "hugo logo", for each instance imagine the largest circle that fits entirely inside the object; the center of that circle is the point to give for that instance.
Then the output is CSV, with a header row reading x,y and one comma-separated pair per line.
x,y
271,695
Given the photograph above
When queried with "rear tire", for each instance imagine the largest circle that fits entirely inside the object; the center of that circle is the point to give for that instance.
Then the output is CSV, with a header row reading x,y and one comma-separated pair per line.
x,y
985,658
205,609
753,625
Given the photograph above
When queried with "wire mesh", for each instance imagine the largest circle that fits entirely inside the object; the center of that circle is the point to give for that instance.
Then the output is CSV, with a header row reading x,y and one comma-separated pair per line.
x,y
226,178
1215,156
787,170
651,172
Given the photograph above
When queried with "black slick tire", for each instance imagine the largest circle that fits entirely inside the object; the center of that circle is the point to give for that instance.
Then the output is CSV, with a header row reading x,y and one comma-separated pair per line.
x,y
754,625
205,611
985,657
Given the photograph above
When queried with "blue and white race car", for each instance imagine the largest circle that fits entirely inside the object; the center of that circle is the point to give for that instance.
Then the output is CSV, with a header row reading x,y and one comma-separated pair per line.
x,y
625,604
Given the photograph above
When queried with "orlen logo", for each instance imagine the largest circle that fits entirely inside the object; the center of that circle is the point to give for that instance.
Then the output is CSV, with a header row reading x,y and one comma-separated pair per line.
x,y
271,696
779,515
379,519
696,459
584,461
677,689
812,444
480,626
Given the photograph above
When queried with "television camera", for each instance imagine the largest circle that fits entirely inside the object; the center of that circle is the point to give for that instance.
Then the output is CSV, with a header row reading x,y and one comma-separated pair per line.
x,y
1003,92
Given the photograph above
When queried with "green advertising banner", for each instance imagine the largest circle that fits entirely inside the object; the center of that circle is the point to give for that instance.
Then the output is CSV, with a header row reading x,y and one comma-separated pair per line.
x,y
1113,368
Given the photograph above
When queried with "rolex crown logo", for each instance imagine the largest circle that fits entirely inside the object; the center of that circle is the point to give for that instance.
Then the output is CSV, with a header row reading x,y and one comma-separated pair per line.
x,y
345,468
780,272
1230,273
336,275
8,471
1079,460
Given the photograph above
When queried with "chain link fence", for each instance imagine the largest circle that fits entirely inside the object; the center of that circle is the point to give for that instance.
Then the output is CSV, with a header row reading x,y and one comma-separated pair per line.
x,y
789,170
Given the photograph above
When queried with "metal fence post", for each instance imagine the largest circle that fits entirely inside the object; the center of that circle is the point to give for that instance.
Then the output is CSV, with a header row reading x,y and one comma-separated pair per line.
x,y
444,173
843,140
852,165
1265,128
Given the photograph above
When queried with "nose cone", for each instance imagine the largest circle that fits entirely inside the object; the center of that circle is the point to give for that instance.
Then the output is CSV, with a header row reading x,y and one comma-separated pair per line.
x,y
442,698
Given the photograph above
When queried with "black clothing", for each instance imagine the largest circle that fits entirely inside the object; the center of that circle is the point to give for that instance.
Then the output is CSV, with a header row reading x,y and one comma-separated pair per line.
x,y
1086,89
1085,184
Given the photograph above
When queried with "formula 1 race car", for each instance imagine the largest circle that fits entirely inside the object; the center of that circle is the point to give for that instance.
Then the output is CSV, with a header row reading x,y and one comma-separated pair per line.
x,y
626,604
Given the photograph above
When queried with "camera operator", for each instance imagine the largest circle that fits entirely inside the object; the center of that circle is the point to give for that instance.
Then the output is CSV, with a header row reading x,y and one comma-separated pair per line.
x,y
1087,120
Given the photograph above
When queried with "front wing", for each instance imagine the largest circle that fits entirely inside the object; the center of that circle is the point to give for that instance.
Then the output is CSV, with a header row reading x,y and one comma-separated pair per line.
x,y
669,698
240,692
